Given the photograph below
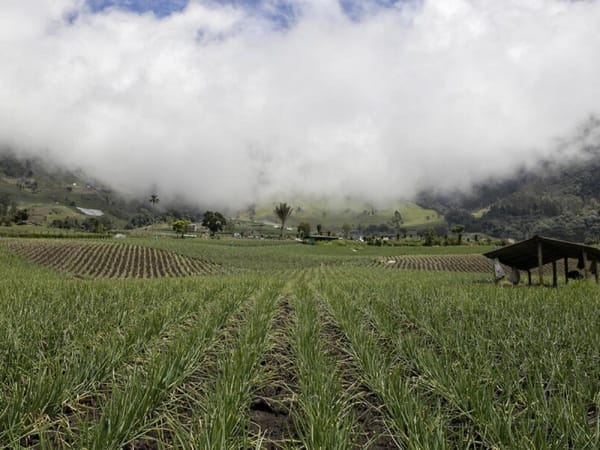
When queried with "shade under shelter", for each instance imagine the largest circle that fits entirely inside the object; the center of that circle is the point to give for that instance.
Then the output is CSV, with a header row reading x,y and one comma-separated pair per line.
x,y
538,251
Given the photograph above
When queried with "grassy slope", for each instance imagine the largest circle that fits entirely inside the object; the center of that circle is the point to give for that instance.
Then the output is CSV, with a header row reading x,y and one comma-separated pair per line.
x,y
59,191
53,201
334,216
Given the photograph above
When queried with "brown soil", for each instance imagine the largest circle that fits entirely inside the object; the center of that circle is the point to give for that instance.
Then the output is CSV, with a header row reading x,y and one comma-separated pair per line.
x,y
374,434
270,410
107,260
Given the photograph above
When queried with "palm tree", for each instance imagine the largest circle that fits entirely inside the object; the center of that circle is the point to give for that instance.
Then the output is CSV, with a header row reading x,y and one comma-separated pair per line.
x,y
154,200
283,212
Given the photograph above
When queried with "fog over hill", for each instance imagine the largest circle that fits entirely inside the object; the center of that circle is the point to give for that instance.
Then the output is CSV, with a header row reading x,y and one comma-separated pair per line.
x,y
222,104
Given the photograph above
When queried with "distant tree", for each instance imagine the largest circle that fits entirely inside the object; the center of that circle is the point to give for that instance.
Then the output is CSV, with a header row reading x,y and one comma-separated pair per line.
x,y
180,226
283,211
319,228
96,225
154,200
20,216
214,221
139,220
304,229
397,219
429,237
458,229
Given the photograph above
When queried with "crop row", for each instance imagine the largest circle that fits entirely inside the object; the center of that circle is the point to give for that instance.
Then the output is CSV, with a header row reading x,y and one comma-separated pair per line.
x,y
460,366
323,357
456,263
448,263
105,260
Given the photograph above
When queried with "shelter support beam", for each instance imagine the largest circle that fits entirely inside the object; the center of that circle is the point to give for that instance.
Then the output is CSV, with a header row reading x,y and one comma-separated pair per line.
x,y
540,262
554,275
533,253
529,277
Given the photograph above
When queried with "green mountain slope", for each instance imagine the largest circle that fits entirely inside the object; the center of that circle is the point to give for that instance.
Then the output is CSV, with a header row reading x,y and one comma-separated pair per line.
x,y
332,214
556,200
52,193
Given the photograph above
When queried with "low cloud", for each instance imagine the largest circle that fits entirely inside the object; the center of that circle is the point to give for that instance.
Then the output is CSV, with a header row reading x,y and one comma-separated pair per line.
x,y
224,106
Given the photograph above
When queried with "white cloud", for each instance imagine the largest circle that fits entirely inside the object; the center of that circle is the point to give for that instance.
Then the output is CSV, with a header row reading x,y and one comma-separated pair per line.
x,y
216,103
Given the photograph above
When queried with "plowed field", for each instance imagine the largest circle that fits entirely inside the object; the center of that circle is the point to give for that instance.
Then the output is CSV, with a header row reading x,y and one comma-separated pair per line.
x,y
455,263
108,260
448,263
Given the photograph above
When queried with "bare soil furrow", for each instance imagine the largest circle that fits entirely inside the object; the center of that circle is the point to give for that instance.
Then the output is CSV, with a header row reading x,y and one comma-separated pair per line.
x,y
108,260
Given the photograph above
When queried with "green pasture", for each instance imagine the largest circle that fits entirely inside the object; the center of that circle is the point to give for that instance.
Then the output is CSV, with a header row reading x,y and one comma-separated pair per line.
x,y
353,213
344,354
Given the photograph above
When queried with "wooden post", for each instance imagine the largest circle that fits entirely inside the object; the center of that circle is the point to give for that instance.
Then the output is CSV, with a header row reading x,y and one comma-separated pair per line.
x,y
585,266
540,263
529,277
566,262
595,267
554,277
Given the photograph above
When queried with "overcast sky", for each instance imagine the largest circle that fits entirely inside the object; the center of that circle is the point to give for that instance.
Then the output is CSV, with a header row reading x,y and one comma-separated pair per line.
x,y
233,101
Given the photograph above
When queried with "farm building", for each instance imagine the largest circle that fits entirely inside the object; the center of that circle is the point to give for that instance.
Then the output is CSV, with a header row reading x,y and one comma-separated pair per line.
x,y
538,251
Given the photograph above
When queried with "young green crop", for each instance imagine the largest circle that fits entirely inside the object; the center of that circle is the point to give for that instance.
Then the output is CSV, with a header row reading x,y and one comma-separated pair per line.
x,y
511,368
130,404
445,360
324,417
220,416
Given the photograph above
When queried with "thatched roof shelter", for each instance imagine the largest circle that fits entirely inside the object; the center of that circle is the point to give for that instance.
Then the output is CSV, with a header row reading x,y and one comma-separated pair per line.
x,y
538,251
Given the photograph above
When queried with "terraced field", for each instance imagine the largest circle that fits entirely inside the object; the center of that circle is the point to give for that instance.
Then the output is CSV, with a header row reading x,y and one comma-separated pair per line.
x,y
318,356
108,260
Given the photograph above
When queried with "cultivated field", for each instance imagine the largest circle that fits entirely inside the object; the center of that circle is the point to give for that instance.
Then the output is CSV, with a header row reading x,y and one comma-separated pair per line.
x,y
293,346
104,260
448,263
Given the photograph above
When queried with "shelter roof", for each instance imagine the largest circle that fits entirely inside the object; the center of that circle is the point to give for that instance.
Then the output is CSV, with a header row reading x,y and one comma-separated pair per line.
x,y
524,255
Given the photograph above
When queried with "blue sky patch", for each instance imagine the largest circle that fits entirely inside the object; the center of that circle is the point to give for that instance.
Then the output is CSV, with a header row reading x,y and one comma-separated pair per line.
x,y
281,13
356,9
160,8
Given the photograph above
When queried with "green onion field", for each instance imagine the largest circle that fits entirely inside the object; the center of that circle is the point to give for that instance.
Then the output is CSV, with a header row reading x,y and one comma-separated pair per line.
x,y
231,344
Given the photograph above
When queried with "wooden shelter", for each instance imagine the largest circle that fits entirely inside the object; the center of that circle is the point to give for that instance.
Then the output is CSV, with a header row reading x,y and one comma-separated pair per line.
x,y
538,251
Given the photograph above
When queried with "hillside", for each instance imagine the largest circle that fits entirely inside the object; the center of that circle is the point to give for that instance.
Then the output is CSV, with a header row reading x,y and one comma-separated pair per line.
x,y
333,215
556,200
50,194
560,200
